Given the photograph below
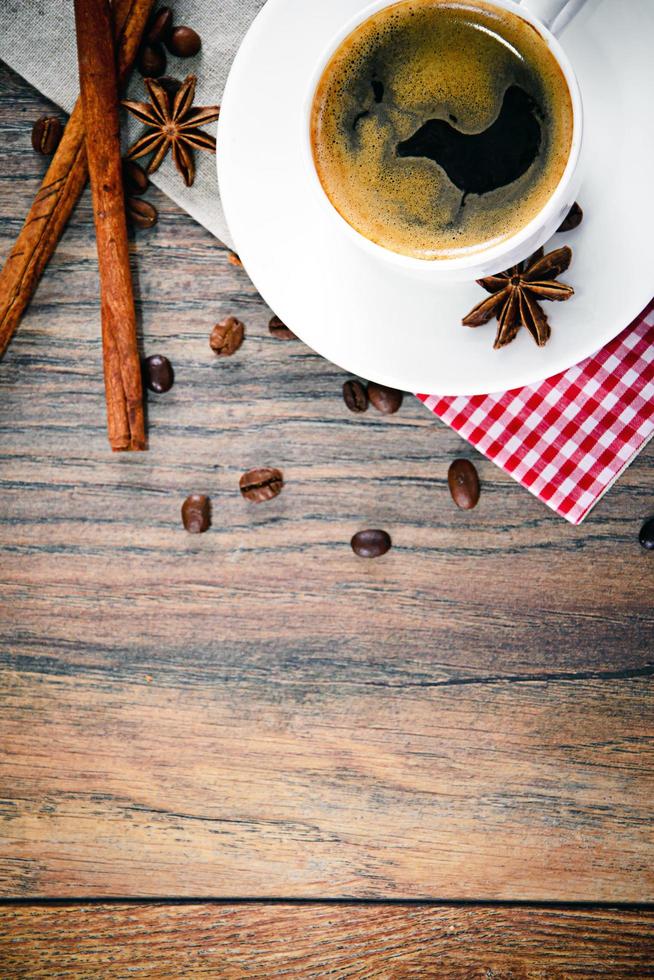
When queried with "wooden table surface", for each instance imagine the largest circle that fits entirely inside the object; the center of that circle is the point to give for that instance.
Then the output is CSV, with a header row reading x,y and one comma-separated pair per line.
x,y
255,713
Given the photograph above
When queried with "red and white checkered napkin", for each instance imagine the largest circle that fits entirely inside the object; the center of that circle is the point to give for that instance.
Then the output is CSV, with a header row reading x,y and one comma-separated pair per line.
x,y
568,438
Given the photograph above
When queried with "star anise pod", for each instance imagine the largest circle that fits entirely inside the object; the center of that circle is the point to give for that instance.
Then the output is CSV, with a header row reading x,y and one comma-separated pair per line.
x,y
173,121
516,295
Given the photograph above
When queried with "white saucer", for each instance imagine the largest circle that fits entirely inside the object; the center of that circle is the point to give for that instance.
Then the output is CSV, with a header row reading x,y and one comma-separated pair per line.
x,y
382,324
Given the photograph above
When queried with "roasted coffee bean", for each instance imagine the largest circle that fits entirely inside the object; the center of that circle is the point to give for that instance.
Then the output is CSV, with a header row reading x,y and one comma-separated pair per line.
x,y
355,396
279,329
135,178
371,543
386,400
261,484
184,42
158,373
151,60
464,483
646,536
141,213
573,218
233,259
227,336
159,26
170,85
46,134
196,513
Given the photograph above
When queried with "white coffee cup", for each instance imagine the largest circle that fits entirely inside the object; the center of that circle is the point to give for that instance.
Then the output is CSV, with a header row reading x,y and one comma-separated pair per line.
x,y
546,16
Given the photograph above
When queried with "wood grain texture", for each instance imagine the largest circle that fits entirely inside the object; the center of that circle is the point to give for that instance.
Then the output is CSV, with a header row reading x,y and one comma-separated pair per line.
x,y
269,941
255,711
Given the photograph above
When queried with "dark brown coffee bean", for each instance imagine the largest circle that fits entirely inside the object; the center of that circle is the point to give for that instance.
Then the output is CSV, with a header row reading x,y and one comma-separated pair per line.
x,y
227,336
196,513
46,134
233,259
646,536
151,60
464,483
184,42
279,329
170,85
355,396
135,178
158,373
141,213
261,484
160,25
371,543
386,400
573,218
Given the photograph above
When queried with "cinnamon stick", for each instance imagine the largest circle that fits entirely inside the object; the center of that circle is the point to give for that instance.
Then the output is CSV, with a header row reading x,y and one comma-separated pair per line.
x,y
61,186
99,94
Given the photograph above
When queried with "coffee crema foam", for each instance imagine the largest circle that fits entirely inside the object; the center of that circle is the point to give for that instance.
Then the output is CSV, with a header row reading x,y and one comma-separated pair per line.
x,y
441,127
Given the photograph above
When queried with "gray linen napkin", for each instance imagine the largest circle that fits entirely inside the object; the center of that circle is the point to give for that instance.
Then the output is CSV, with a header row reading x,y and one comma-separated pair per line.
x,y
38,41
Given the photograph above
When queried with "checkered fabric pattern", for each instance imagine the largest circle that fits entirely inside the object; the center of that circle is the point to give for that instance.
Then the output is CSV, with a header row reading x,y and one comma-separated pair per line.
x,y
568,438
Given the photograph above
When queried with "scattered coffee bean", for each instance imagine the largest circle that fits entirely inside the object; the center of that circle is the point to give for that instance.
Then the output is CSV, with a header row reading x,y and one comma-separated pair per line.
x,y
152,60
386,400
141,213
170,85
261,484
464,483
371,543
227,336
158,373
160,25
355,396
135,178
279,329
196,513
573,219
46,134
184,42
233,259
646,536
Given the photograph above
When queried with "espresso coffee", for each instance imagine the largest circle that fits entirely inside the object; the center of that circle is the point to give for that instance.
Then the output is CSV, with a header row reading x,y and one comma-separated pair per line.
x,y
441,127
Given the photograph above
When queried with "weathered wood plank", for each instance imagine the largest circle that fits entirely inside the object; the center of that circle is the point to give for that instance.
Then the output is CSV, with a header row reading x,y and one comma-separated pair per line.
x,y
245,781
255,711
270,941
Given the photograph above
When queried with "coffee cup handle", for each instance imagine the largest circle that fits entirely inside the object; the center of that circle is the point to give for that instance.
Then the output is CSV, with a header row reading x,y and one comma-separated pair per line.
x,y
554,14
